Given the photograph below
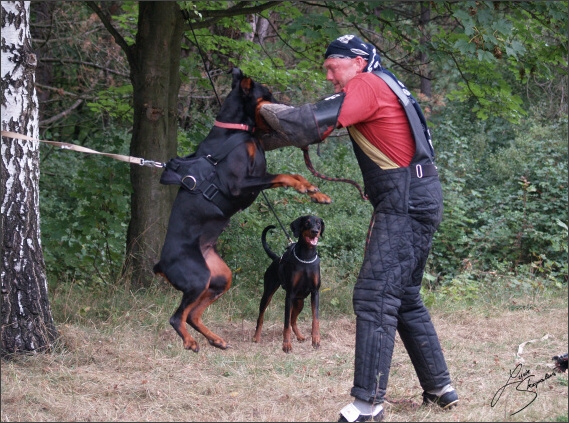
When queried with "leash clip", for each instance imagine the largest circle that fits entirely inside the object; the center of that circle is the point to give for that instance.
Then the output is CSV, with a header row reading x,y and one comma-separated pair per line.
x,y
151,163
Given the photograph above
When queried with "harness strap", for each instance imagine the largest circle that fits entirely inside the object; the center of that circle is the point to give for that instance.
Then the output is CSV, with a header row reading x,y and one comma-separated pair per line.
x,y
420,131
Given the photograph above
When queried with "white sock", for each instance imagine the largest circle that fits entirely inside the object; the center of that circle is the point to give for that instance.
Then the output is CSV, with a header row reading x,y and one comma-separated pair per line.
x,y
441,391
367,408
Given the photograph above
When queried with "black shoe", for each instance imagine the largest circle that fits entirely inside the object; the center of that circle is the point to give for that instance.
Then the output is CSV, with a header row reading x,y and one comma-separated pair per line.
x,y
361,417
445,401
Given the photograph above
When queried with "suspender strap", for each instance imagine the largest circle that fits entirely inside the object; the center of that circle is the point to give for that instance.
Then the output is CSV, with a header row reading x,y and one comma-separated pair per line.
x,y
421,140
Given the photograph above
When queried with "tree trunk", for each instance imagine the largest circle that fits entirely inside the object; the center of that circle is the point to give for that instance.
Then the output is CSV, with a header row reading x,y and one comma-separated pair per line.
x,y
155,74
27,322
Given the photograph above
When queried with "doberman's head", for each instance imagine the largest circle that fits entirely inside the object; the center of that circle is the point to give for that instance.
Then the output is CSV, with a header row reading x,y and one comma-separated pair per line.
x,y
308,229
243,102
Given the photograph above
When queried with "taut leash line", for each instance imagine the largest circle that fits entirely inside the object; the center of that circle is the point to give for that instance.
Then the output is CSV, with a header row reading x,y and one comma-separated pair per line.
x,y
74,147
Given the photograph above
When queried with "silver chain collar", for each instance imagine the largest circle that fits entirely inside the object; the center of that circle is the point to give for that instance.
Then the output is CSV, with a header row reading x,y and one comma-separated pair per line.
x,y
304,261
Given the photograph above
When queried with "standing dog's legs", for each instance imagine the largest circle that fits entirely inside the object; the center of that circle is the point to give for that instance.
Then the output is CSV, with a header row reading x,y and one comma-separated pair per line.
x,y
271,285
314,300
219,283
297,306
178,323
287,345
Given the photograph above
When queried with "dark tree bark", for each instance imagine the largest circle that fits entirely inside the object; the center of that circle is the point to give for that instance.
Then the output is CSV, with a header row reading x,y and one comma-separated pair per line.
x,y
155,74
154,62
27,322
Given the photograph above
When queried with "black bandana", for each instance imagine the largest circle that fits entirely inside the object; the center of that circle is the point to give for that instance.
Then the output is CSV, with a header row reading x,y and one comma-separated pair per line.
x,y
350,46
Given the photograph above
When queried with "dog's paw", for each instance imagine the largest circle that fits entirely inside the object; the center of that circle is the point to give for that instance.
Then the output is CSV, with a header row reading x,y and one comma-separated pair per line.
x,y
219,343
287,347
192,345
320,198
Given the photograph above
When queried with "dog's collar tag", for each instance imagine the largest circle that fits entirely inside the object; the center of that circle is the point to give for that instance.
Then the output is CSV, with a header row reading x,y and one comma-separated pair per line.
x,y
226,125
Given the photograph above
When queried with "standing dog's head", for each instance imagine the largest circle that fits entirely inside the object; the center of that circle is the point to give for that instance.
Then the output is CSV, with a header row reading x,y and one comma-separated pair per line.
x,y
310,228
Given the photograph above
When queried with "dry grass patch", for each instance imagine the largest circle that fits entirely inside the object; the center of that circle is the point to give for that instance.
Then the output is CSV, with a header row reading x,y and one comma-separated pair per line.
x,y
131,373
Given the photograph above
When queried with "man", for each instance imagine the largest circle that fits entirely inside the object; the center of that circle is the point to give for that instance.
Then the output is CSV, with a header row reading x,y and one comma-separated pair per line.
x,y
402,184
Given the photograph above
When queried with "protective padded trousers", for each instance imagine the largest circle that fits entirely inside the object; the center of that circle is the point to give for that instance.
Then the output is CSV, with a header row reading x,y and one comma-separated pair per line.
x,y
407,212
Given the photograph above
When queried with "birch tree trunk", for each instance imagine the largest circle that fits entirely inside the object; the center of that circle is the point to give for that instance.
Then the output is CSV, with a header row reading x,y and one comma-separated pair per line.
x,y
27,322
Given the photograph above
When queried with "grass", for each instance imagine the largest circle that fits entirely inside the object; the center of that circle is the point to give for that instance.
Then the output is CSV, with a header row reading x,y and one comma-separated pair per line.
x,y
118,359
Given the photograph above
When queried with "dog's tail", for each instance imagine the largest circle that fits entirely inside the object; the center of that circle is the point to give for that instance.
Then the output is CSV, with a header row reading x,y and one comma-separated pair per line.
x,y
270,253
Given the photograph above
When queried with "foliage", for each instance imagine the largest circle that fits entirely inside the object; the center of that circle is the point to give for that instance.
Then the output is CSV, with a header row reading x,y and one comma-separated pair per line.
x,y
506,201
491,63
86,205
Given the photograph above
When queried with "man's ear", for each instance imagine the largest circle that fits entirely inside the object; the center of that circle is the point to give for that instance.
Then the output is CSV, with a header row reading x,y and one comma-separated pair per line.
x,y
362,63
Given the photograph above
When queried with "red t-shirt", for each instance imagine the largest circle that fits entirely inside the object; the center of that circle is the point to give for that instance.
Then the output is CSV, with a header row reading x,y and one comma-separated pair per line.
x,y
375,111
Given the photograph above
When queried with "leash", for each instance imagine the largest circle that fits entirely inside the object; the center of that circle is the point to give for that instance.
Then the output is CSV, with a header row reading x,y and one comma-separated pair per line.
x,y
74,147
186,16
290,241
308,163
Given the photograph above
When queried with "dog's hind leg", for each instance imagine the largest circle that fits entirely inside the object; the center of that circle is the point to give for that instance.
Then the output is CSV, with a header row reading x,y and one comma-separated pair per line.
x,y
271,285
178,322
219,283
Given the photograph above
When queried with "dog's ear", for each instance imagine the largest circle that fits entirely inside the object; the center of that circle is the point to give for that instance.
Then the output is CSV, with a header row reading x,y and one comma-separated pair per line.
x,y
296,226
322,227
237,75
246,85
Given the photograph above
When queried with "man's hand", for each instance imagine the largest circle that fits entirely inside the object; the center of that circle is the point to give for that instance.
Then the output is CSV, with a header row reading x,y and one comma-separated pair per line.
x,y
292,126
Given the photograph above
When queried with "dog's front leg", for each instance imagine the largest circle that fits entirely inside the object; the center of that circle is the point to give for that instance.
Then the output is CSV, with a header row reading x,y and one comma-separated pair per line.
x,y
314,301
287,345
298,305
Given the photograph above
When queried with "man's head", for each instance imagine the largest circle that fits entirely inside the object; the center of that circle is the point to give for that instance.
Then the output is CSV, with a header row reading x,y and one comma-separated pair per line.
x,y
347,56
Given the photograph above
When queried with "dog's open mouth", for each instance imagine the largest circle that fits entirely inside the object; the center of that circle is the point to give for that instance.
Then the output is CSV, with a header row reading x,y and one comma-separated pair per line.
x,y
311,241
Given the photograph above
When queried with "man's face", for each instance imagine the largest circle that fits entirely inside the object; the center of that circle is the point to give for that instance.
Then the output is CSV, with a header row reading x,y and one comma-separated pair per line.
x,y
340,71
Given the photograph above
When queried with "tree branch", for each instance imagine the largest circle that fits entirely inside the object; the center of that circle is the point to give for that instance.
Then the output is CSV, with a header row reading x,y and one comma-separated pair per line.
x,y
214,15
80,62
60,91
62,114
105,19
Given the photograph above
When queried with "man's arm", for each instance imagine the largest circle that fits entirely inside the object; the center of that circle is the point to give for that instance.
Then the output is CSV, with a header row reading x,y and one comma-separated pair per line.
x,y
300,126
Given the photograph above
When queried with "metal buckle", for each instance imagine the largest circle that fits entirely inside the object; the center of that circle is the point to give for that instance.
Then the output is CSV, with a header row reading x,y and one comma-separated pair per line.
x,y
211,192
419,171
193,179
151,163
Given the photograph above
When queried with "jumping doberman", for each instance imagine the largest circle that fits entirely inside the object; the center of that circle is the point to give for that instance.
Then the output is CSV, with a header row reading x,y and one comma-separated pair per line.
x,y
298,272
189,259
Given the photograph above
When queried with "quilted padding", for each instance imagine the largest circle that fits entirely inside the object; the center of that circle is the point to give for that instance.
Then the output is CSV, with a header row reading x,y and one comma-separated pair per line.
x,y
407,212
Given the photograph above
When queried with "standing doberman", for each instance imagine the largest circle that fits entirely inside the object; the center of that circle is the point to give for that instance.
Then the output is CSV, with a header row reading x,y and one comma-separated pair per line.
x,y
189,259
298,272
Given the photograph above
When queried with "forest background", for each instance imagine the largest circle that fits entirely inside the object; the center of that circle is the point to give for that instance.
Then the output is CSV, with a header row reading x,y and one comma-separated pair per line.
x,y
490,76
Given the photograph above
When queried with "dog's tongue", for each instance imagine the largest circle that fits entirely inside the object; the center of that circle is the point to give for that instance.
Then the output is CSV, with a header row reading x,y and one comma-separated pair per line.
x,y
312,241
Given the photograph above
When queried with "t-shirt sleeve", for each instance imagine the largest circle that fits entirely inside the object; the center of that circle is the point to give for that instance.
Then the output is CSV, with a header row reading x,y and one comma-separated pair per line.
x,y
360,103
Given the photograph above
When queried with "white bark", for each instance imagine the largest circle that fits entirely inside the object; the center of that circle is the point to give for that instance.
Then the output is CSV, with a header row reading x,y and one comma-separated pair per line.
x,y
27,324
